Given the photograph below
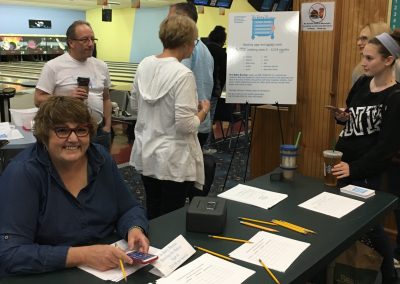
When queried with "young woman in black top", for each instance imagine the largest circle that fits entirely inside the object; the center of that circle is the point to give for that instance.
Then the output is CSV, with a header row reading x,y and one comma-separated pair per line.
x,y
370,137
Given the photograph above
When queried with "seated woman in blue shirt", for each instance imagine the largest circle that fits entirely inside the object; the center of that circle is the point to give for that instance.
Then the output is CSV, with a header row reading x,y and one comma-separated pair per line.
x,y
62,195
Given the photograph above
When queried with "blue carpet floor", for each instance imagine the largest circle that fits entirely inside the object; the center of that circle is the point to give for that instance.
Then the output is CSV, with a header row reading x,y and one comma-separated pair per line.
x,y
222,157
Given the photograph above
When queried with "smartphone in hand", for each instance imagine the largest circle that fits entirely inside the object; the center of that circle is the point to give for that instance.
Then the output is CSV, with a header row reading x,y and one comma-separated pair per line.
x,y
141,257
335,109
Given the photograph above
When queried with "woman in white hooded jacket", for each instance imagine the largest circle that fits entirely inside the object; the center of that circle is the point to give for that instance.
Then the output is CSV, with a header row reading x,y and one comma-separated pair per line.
x,y
166,150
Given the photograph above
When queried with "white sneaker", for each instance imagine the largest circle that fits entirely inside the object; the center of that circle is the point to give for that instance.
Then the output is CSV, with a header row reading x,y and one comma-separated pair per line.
x,y
209,151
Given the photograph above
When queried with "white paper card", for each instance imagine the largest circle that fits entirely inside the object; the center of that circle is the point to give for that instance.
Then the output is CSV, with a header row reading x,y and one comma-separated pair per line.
x,y
115,274
208,269
275,251
172,256
331,204
253,196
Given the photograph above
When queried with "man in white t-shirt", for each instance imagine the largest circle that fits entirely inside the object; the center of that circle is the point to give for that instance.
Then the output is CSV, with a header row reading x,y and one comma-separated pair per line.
x,y
59,77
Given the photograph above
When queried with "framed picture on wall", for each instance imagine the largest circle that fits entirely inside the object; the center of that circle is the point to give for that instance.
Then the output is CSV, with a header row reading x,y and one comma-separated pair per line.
x,y
39,24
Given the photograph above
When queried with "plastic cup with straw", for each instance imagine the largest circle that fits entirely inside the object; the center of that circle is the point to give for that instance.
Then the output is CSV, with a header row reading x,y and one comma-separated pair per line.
x,y
331,158
288,159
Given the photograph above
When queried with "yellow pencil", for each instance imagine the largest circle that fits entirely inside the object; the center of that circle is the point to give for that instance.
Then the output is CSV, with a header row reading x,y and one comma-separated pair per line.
x,y
269,272
258,227
290,227
257,221
295,227
121,264
214,253
230,239
123,269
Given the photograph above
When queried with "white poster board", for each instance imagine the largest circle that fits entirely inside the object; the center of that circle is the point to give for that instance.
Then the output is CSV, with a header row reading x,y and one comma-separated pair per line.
x,y
262,58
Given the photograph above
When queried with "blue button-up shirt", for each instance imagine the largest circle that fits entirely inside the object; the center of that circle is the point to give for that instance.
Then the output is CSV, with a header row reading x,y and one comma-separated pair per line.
x,y
202,65
40,219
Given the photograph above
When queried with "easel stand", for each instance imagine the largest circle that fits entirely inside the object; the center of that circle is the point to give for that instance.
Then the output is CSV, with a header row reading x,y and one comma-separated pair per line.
x,y
248,142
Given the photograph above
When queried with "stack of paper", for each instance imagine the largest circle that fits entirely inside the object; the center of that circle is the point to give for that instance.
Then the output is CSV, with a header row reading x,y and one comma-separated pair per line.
x,y
253,196
208,269
358,191
8,132
5,130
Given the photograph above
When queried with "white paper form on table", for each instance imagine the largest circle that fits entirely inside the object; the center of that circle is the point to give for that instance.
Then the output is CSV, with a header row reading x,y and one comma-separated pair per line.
x,y
172,256
275,251
253,196
331,204
115,274
208,269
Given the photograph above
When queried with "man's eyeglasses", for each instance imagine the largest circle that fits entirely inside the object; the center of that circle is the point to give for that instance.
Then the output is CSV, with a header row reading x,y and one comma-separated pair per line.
x,y
86,40
65,132
196,41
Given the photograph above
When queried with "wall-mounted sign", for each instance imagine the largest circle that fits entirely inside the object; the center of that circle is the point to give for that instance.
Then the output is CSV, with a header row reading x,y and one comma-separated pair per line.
x,y
395,15
262,58
39,24
317,16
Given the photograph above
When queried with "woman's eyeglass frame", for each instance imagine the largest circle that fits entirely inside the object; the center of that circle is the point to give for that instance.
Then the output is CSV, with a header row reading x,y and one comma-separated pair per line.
x,y
64,132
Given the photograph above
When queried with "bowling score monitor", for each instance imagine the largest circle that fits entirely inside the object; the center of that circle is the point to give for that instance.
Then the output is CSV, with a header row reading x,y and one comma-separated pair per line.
x,y
214,3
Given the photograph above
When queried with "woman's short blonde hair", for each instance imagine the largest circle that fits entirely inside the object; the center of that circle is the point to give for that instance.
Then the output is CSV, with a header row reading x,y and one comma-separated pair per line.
x,y
377,28
176,31
59,110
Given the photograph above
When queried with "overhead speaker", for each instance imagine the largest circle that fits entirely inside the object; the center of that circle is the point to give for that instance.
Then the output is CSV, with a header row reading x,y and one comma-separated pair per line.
x,y
106,15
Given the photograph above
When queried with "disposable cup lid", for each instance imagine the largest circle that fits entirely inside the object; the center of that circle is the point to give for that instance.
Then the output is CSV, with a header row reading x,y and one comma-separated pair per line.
x,y
288,147
332,154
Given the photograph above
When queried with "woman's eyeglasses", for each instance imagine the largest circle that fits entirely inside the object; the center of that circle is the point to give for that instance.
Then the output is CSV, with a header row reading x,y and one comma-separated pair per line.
x,y
65,132
362,38
196,41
